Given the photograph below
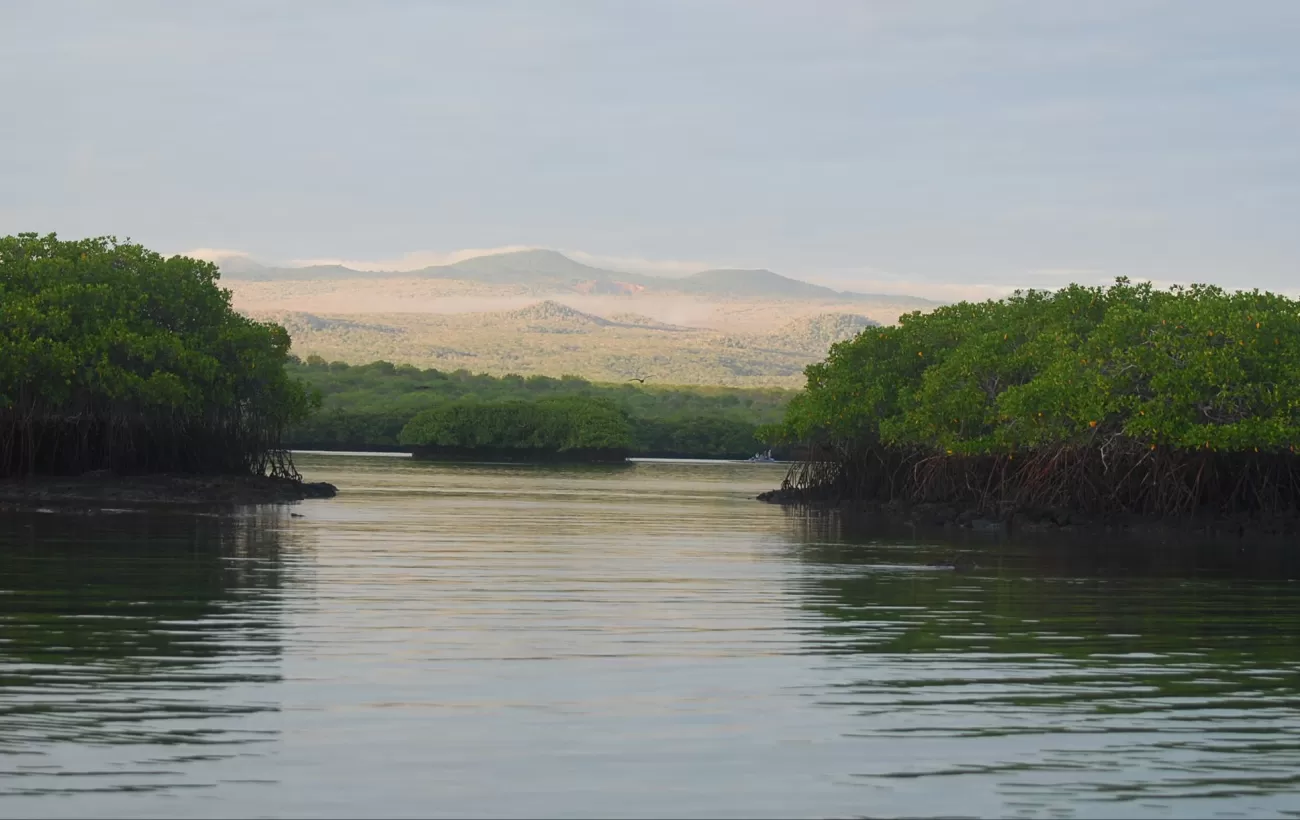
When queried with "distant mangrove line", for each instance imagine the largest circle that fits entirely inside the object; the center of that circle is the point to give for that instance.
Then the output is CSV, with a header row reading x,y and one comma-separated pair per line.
x,y
367,407
113,357
1117,400
574,428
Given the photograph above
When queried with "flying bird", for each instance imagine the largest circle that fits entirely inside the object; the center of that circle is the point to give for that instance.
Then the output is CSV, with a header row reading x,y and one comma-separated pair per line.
x,y
635,379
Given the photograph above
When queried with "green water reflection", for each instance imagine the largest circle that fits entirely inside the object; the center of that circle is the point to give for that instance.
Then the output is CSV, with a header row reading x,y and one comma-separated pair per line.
x,y
122,631
1143,675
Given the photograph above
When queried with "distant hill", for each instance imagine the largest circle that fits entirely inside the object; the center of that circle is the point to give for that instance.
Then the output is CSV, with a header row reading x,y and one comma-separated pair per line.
x,y
542,271
640,320
818,333
552,314
247,270
240,267
552,339
751,284
764,284
298,323
532,268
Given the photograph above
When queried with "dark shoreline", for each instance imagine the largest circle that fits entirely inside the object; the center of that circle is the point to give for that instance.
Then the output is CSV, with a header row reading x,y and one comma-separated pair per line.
x,y
99,489
950,517
360,447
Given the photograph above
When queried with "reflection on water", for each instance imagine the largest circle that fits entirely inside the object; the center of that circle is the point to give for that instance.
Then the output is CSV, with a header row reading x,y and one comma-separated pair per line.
x,y
1072,687
637,641
133,646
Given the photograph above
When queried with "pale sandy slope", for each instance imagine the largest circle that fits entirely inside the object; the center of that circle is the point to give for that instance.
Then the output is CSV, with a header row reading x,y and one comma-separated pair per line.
x,y
452,324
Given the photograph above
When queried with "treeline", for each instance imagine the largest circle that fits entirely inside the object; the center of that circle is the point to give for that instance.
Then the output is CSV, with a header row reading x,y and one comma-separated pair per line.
x,y
367,407
571,428
1124,399
113,357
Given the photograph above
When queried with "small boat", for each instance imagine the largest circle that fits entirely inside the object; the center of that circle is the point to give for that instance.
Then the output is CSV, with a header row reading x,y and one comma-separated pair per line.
x,y
761,458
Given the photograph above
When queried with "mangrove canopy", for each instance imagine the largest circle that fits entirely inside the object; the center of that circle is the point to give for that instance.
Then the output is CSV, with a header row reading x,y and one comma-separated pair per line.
x,y
1123,399
366,406
114,357
568,429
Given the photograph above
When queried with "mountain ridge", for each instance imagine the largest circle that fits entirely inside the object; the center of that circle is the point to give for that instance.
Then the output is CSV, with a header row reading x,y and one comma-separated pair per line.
x,y
729,281
541,268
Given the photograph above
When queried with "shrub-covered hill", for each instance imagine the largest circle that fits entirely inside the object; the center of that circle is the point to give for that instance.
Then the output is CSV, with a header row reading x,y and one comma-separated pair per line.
x,y
554,312
818,333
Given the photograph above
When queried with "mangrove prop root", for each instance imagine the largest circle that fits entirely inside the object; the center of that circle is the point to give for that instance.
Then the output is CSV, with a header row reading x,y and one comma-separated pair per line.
x,y
1127,478
49,442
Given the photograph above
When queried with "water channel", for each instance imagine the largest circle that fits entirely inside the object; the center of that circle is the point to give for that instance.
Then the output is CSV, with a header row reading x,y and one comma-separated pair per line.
x,y
640,641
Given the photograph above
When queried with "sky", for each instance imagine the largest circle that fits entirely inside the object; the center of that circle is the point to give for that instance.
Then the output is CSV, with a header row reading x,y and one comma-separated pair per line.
x,y
926,143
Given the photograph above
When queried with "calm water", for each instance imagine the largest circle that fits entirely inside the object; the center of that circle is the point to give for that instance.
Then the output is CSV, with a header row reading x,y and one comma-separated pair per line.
x,y
643,641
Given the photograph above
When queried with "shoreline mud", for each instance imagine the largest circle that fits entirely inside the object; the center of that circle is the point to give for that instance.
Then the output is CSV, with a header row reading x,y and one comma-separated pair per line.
x,y
99,489
951,517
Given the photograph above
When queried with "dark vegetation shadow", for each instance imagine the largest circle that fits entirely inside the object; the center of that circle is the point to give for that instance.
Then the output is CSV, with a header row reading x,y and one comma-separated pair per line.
x,y
128,628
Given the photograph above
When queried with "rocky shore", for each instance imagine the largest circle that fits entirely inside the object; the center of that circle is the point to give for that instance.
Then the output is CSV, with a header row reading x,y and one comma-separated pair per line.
x,y
1035,520
106,489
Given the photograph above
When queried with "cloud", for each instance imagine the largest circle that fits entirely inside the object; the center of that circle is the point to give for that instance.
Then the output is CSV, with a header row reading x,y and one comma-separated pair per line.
x,y
214,254
1065,276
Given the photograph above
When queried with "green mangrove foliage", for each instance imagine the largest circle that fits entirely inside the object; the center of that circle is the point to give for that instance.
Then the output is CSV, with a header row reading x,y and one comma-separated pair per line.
x,y
366,407
1118,399
113,357
573,427
710,436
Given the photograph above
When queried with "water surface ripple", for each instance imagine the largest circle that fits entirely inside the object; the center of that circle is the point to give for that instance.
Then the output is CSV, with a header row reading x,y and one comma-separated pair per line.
x,y
642,641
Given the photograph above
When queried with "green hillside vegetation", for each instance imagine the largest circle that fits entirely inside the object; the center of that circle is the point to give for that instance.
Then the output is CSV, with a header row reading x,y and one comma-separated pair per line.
x,y
1124,399
113,357
570,428
367,406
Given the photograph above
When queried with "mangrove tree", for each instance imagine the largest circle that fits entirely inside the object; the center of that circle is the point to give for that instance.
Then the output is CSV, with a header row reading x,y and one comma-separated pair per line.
x,y
114,357
1121,399
565,429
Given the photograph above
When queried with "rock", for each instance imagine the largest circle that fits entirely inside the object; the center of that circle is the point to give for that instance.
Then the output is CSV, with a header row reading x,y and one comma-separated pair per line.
x,y
319,489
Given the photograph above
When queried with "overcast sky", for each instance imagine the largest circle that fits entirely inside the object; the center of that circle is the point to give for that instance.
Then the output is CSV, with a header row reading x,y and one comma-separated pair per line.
x,y
963,141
